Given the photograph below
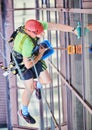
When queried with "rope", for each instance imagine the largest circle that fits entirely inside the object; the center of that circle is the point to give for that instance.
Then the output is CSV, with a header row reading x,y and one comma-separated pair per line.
x,y
53,117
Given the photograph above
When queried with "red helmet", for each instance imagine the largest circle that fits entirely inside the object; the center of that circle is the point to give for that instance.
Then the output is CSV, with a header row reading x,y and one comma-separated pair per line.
x,y
33,28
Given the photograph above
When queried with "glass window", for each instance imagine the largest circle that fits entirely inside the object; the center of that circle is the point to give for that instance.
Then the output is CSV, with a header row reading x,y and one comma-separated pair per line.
x,y
77,114
76,59
81,77
88,65
74,3
88,57
24,4
88,121
21,16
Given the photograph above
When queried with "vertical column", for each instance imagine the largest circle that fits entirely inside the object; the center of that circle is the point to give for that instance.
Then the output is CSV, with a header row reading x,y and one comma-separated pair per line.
x,y
59,4
11,81
3,108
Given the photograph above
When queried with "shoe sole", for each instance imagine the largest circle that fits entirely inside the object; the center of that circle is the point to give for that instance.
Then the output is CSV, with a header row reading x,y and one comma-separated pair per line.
x,y
20,115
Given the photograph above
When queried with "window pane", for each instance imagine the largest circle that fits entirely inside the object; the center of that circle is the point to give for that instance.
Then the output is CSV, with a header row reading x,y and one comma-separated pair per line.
x,y
24,3
21,16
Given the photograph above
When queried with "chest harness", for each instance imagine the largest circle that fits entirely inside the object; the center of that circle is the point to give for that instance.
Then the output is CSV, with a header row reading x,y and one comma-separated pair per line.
x,y
18,56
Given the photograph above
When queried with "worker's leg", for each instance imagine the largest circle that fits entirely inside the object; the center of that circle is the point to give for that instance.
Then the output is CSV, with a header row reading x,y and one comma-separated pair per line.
x,y
29,88
44,77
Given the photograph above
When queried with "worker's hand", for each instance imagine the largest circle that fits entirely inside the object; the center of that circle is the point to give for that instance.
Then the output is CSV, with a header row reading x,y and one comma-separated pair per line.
x,y
42,49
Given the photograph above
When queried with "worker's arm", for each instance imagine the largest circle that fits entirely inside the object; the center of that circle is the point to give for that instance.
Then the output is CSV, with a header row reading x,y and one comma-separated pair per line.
x,y
61,27
30,63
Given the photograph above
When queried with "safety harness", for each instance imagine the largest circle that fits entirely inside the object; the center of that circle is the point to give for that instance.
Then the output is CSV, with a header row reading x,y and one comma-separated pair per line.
x,y
18,56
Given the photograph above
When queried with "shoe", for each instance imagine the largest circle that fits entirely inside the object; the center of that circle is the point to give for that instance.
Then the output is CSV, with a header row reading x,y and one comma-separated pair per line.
x,y
38,93
28,118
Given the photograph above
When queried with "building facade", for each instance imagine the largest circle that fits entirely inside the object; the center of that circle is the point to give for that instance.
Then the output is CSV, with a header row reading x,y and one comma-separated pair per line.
x,y
66,103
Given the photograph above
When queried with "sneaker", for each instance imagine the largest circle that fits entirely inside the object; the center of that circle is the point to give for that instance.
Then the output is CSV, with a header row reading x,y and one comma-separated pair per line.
x,y
28,118
38,93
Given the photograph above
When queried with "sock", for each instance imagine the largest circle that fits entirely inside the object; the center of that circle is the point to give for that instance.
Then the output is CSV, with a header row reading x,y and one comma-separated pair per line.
x,y
25,110
39,85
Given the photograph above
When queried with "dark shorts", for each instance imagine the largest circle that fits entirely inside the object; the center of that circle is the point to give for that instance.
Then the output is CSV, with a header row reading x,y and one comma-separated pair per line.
x,y
30,73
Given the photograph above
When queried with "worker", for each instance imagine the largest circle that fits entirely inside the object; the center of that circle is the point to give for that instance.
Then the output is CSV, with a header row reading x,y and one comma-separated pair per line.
x,y
24,43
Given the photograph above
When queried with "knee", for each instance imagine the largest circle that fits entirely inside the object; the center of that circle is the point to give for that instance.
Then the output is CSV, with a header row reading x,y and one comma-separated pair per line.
x,y
45,81
49,81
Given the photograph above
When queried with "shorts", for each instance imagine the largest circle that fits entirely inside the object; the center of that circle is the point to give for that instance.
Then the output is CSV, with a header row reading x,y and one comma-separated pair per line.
x,y
30,73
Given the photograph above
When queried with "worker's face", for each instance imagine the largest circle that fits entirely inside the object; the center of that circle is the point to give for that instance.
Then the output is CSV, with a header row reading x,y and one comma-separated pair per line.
x,y
41,34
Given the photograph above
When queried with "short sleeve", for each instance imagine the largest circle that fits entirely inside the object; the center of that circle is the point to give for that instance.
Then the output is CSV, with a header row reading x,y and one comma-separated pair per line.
x,y
45,24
